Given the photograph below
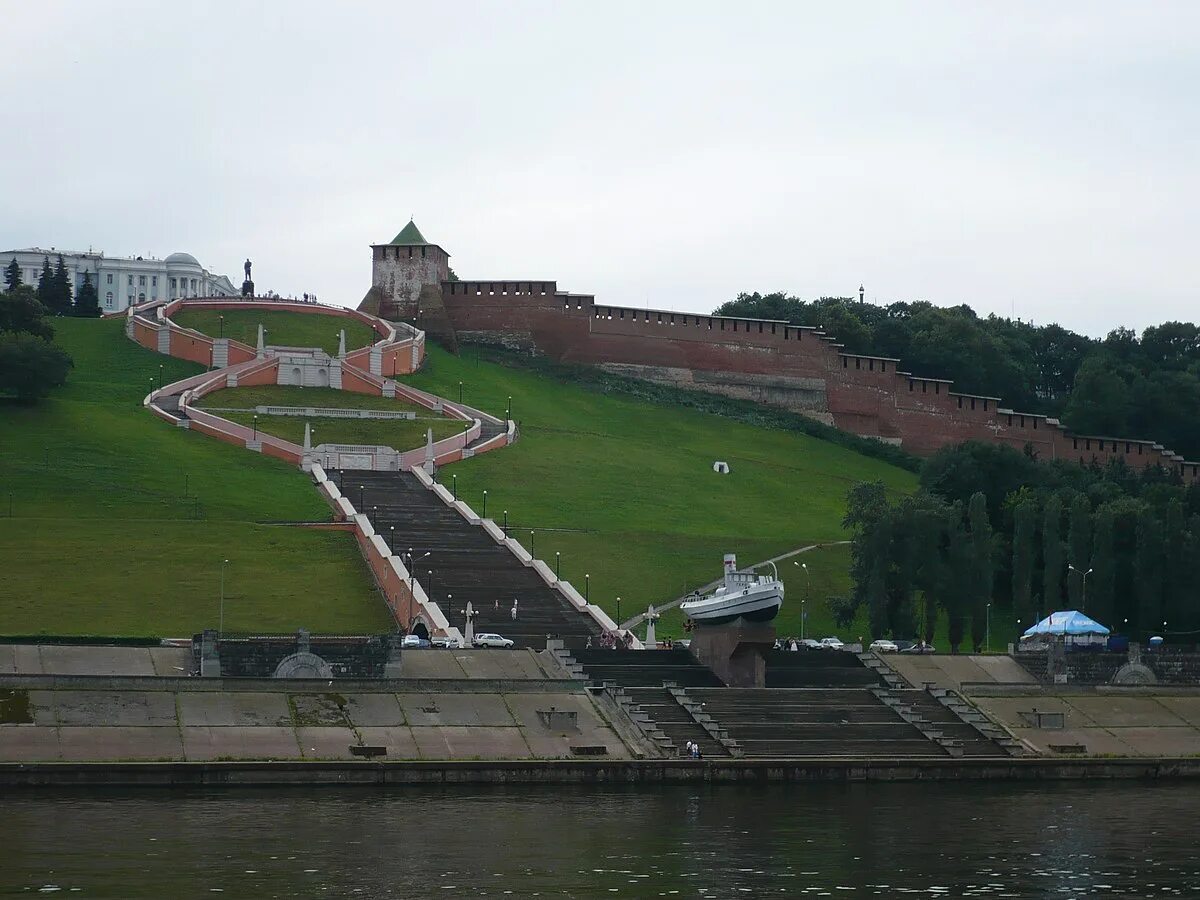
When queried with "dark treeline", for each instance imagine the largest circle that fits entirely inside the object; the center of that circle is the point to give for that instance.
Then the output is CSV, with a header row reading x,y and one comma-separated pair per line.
x,y
991,532
1125,385
30,364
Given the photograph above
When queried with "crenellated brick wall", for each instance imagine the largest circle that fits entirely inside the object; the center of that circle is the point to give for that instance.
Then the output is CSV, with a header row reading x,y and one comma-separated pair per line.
x,y
772,362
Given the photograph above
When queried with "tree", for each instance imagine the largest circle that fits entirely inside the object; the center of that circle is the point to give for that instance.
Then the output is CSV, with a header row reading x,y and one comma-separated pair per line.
x,y
20,313
62,288
30,367
1079,551
1177,607
1024,533
1104,568
87,303
1149,569
12,275
982,565
1052,555
45,289
1099,402
957,580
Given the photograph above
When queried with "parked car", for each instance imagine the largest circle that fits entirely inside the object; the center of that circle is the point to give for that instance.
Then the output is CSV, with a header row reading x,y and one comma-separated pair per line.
x,y
493,640
810,644
883,646
444,643
412,642
831,643
919,648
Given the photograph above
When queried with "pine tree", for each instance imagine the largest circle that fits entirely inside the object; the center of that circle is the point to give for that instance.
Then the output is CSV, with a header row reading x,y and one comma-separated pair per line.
x,y
983,567
87,304
12,275
62,287
1079,551
45,288
1102,582
1148,564
1024,533
1052,555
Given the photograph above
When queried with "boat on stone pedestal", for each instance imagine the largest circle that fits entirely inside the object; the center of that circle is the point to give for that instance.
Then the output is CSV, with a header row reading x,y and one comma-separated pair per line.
x,y
742,595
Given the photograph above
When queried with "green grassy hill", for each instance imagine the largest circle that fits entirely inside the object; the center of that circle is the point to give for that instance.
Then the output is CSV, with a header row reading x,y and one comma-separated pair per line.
x,y
284,329
399,434
104,538
624,489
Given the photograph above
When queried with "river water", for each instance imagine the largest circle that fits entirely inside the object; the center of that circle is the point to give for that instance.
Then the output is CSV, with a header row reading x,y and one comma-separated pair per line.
x,y
889,840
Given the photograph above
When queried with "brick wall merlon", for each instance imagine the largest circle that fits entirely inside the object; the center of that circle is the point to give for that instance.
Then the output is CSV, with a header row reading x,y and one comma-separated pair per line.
x,y
525,286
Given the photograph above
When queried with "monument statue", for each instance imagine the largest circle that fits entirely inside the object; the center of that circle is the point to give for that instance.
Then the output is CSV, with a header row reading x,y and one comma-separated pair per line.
x,y
248,284
246,266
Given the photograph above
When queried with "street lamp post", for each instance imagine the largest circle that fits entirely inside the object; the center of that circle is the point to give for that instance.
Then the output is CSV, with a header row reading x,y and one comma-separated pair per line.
x,y
1085,577
987,640
454,485
531,542
587,588
508,411
804,599
222,318
506,523
392,538
557,564
484,504
256,427
460,392
618,612
360,497
221,611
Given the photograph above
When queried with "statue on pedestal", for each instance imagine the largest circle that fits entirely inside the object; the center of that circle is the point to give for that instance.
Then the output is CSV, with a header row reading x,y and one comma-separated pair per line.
x,y
248,284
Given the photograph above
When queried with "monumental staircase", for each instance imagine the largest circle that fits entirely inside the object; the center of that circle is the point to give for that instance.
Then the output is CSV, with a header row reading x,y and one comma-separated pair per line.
x,y
464,564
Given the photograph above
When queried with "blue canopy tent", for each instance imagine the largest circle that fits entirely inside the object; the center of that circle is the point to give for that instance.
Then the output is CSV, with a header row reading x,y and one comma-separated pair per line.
x,y
1071,626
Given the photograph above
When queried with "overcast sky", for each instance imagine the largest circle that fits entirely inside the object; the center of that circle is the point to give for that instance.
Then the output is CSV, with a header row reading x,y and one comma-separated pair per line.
x,y
1038,158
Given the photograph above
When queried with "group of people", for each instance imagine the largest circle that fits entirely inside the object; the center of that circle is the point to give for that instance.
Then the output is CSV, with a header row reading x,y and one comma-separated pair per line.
x,y
622,640
512,613
692,749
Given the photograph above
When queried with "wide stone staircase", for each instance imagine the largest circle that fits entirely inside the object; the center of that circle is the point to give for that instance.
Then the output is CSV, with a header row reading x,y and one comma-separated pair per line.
x,y
644,668
662,710
464,563
813,722
819,668
957,727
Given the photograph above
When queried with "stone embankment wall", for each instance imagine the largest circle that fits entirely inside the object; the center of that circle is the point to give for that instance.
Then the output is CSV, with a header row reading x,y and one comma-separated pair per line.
x,y
798,368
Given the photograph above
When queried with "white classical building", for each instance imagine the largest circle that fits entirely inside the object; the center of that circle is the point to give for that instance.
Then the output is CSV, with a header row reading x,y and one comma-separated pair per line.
x,y
122,281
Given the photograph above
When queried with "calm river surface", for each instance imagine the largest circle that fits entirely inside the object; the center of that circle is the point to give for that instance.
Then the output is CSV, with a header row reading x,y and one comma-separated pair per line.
x,y
890,840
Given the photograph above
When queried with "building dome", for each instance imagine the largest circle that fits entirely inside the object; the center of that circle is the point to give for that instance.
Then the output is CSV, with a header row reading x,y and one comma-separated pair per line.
x,y
182,259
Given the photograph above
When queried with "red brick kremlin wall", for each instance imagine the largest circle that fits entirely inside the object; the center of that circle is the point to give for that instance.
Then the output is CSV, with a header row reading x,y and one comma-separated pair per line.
x,y
771,362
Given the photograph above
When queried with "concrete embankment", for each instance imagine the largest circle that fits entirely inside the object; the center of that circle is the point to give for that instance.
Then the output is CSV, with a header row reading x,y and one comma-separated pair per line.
x,y
647,772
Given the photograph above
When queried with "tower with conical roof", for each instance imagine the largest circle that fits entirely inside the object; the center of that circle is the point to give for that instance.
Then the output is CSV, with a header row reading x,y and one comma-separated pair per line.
x,y
400,269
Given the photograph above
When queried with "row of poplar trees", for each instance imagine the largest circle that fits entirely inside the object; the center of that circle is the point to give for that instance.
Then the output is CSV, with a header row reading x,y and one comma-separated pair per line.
x,y
54,289
1126,561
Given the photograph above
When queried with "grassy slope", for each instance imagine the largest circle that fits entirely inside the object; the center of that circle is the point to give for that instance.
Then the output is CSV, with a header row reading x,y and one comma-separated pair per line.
x,y
104,541
285,329
625,489
398,434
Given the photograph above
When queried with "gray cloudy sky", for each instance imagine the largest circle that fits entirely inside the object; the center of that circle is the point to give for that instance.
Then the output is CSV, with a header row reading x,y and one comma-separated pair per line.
x,y
1031,156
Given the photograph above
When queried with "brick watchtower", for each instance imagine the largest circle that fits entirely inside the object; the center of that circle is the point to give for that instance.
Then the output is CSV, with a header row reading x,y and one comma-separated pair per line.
x,y
400,269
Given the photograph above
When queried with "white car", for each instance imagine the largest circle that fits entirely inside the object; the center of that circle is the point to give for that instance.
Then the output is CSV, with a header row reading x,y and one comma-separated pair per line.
x,y
444,643
410,642
884,646
493,640
831,643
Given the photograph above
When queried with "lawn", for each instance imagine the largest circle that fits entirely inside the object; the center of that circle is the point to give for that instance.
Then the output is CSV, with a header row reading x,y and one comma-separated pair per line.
x,y
399,434
624,489
284,329
120,522
289,395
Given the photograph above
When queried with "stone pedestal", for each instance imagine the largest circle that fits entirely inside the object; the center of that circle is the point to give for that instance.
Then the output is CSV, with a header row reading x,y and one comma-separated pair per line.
x,y
247,288
735,652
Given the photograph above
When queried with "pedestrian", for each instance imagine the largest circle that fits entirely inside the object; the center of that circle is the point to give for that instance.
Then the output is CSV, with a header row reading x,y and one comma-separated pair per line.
x,y
513,612
496,604
689,748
